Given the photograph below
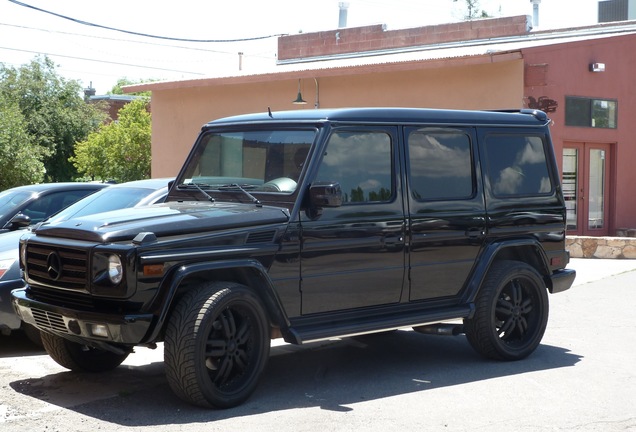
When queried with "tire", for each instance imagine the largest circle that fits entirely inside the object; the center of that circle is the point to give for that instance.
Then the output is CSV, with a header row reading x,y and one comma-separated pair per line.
x,y
216,345
33,334
511,312
80,358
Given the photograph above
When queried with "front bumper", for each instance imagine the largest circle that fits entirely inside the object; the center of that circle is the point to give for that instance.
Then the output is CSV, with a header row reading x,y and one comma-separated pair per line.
x,y
91,327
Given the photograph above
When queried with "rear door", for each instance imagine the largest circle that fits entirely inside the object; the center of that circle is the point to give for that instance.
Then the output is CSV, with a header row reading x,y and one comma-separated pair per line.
x,y
446,216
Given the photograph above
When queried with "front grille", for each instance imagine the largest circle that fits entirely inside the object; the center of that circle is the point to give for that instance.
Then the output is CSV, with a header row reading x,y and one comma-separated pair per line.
x,y
63,267
49,320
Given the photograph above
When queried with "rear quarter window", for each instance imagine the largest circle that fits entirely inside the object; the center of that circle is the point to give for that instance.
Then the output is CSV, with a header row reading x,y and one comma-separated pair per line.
x,y
516,165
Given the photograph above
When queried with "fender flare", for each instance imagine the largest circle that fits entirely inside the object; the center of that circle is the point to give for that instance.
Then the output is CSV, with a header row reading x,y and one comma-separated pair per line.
x,y
490,254
268,296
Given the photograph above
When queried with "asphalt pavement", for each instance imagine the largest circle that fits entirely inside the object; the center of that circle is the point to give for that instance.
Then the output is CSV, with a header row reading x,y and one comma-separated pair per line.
x,y
582,378
591,269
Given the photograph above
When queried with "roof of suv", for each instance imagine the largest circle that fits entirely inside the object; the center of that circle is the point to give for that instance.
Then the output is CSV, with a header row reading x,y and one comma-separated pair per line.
x,y
524,117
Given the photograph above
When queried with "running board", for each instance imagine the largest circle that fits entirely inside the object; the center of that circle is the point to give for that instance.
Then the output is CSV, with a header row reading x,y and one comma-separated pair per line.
x,y
303,333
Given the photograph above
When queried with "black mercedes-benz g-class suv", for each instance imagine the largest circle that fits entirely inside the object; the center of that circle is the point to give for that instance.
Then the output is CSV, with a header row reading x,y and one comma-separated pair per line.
x,y
310,225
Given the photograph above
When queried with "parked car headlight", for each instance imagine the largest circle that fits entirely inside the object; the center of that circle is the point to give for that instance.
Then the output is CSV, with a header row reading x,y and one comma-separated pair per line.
x,y
5,265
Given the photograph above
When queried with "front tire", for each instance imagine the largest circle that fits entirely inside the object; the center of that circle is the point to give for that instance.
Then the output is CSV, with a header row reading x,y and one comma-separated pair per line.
x,y
80,358
511,312
217,344
33,334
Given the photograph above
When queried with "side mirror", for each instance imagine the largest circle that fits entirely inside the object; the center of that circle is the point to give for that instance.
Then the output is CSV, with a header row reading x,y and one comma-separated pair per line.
x,y
324,194
18,221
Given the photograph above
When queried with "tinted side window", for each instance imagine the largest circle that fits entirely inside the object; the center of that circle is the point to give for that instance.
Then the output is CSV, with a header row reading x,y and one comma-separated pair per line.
x,y
440,165
45,206
362,163
517,165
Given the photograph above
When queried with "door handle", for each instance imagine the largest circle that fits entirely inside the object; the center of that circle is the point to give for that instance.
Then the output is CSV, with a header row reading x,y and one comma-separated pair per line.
x,y
475,233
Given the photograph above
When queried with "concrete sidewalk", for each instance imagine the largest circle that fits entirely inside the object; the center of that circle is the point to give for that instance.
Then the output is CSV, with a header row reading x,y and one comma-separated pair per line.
x,y
592,269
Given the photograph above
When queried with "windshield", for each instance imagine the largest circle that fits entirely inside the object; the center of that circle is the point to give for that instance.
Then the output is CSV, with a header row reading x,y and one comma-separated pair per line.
x,y
111,198
11,199
259,160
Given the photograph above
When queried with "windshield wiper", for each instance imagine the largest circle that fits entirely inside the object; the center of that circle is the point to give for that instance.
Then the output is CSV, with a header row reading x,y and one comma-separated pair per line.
x,y
196,185
233,186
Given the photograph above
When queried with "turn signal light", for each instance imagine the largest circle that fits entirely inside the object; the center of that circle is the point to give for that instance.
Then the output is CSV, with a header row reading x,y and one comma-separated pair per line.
x,y
153,270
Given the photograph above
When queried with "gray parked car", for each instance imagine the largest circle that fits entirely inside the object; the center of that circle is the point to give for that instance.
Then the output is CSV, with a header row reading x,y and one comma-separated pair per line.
x,y
125,195
24,205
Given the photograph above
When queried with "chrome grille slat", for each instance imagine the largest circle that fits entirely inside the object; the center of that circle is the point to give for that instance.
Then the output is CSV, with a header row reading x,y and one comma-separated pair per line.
x,y
49,320
74,266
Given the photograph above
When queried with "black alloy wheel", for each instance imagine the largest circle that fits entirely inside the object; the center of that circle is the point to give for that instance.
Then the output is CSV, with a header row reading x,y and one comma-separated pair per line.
x,y
511,312
217,344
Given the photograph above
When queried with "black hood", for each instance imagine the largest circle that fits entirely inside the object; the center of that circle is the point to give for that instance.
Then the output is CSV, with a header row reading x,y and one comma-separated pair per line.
x,y
164,220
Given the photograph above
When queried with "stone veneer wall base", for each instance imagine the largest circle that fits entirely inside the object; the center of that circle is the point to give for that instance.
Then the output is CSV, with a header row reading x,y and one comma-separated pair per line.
x,y
601,247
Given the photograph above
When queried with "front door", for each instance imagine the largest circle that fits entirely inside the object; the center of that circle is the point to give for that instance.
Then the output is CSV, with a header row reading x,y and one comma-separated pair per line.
x,y
586,187
353,256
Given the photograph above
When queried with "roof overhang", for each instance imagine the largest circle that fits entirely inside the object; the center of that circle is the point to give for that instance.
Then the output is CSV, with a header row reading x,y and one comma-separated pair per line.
x,y
475,52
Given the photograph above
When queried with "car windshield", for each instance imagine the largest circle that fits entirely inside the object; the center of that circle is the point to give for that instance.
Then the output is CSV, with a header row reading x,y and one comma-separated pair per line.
x,y
10,199
111,198
256,160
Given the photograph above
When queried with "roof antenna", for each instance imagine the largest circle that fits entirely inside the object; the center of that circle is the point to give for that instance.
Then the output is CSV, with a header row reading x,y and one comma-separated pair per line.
x,y
269,111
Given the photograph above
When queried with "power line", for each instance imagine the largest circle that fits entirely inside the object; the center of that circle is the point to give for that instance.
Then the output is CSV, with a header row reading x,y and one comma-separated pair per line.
x,y
130,41
78,21
101,61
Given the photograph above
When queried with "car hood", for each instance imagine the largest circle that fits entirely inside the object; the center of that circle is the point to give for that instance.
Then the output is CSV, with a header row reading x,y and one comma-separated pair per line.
x,y
163,220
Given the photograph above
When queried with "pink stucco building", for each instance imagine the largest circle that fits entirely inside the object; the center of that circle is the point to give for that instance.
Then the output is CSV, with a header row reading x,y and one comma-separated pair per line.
x,y
581,76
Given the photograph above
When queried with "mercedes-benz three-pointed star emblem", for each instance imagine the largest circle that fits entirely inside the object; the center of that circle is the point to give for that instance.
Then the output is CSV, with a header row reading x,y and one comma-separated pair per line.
x,y
54,266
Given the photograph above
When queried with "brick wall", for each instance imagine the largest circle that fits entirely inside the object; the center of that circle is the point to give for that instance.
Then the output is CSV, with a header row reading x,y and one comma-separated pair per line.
x,y
375,37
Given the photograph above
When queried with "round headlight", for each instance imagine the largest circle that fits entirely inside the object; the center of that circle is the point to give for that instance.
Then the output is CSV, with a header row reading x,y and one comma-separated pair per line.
x,y
115,270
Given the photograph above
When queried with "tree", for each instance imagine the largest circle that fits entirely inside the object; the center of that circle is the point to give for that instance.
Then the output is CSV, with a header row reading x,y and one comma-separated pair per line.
x,y
121,82
20,158
473,11
54,112
119,150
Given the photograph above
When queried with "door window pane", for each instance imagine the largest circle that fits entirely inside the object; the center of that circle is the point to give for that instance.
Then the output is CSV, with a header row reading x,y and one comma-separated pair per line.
x,y
596,204
440,165
362,163
570,185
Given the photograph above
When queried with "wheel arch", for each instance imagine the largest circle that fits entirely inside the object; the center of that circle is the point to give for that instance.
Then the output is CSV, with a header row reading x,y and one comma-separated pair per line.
x,y
524,250
248,272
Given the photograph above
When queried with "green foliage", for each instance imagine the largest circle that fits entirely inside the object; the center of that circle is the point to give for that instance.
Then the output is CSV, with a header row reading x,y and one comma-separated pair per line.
x,y
20,158
357,195
120,150
473,11
122,82
54,111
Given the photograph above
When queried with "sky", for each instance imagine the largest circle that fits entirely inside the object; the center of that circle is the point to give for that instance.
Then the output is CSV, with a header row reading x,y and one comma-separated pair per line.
x,y
97,43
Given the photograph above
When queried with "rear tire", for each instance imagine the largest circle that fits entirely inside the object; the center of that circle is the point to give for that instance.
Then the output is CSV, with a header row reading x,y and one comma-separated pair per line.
x,y
511,312
217,344
80,358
